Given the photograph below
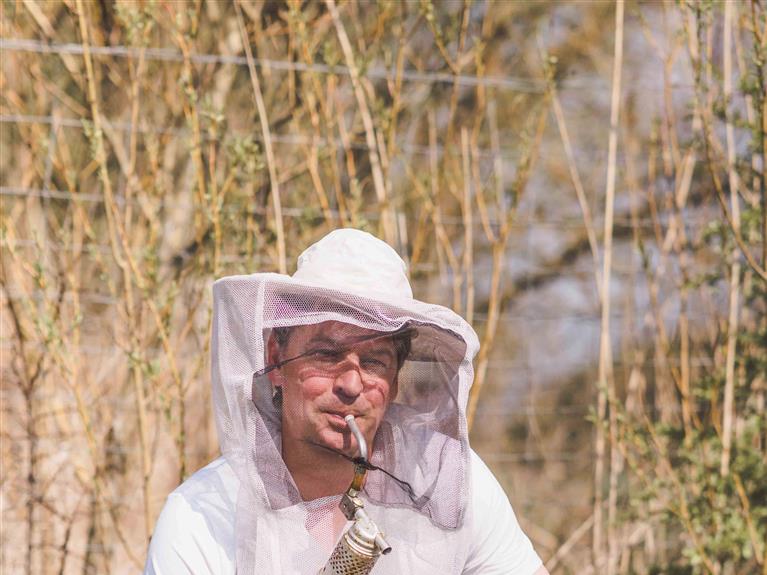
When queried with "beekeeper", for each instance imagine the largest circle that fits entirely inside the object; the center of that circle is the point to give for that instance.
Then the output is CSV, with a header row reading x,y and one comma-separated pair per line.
x,y
292,358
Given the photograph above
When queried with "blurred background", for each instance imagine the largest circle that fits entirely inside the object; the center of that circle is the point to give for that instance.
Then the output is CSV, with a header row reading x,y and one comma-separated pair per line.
x,y
582,181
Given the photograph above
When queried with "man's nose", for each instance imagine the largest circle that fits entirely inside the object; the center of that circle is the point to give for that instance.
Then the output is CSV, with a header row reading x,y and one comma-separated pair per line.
x,y
348,382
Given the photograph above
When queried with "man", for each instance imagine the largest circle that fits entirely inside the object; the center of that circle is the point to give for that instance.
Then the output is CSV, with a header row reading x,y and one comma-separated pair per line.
x,y
292,357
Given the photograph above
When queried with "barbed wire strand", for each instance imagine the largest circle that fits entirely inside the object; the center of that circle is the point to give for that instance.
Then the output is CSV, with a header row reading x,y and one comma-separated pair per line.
x,y
507,83
283,139
511,83
574,222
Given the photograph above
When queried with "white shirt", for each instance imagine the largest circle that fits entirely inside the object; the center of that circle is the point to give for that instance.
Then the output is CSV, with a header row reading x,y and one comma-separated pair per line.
x,y
195,531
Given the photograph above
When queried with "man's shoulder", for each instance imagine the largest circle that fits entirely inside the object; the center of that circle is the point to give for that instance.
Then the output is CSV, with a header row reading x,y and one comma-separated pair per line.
x,y
217,479
483,480
498,544
212,493
196,525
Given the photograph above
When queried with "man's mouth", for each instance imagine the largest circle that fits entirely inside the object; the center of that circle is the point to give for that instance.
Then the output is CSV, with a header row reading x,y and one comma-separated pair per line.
x,y
336,419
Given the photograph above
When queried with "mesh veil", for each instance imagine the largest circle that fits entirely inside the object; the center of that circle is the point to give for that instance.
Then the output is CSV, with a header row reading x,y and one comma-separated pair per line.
x,y
422,439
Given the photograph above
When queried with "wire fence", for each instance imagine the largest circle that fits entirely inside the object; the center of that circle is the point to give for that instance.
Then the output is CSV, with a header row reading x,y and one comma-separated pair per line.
x,y
524,220
292,139
512,83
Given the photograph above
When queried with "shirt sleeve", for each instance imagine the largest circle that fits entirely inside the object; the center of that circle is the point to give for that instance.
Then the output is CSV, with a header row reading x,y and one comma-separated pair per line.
x,y
498,545
182,543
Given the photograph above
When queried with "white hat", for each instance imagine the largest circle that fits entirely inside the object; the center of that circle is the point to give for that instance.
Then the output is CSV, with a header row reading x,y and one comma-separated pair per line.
x,y
353,260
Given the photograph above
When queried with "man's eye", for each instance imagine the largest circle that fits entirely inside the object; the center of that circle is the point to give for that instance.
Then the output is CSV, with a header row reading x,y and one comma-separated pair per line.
x,y
326,354
374,363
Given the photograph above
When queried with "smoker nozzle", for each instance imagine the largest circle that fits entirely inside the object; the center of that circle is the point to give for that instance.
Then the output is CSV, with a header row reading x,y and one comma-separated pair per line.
x,y
382,545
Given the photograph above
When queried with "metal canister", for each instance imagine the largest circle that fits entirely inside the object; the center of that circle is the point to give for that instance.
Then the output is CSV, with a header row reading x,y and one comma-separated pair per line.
x,y
356,552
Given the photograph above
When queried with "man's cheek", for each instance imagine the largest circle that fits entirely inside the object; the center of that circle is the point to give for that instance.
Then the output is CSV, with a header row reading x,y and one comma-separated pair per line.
x,y
378,396
313,387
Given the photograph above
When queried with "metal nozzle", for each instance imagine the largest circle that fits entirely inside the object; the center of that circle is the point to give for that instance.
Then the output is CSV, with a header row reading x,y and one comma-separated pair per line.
x,y
358,434
382,545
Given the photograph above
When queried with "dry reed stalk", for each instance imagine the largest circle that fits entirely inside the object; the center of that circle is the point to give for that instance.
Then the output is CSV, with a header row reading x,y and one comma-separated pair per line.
x,y
48,30
672,150
711,146
495,146
312,162
491,327
27,386
334,169
567,546
759,547
436,213
71,378
431,210
479,120
135,344
27,381
499,243
676,236
421,235
111,213
605,376
759,40
313,94
681,246
468,228
475,160
387,217
572,166
525,167
682,511
728,409
351,166
383,154
456,67
267,136
214,206
395,90
750,110
480,196
190,110
118,240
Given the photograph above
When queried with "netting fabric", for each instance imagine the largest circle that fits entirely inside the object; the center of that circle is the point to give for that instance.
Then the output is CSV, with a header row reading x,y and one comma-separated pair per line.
x,y
291,357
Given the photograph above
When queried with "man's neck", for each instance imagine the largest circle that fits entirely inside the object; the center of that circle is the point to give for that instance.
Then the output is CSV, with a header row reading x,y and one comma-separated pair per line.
x,y
316,471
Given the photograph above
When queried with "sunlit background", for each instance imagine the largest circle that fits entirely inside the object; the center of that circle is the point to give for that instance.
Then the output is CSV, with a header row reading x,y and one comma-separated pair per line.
x,y
523,157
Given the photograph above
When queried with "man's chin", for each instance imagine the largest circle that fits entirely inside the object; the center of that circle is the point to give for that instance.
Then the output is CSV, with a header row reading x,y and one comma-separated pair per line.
x,y
336,441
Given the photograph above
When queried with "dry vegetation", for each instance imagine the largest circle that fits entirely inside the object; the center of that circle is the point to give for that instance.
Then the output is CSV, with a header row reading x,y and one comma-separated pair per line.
x,y
520,156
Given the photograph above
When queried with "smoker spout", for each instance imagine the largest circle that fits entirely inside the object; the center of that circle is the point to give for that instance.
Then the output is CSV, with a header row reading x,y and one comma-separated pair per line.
x,y
358,434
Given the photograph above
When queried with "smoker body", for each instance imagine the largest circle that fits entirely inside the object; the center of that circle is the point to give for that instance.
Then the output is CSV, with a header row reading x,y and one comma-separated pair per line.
x,y
363,543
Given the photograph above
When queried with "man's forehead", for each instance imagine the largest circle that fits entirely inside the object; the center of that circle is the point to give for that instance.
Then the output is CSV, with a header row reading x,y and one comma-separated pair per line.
x,y
336,331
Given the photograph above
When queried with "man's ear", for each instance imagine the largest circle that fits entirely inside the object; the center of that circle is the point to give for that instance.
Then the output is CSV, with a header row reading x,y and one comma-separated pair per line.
x,y
273,357
394,388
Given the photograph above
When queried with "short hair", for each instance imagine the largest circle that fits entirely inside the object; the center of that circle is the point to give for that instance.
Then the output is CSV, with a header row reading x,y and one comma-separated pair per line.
x,y
402,340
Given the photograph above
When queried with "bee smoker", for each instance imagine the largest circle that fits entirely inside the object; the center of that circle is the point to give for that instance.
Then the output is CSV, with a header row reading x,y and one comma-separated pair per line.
x,y
363,543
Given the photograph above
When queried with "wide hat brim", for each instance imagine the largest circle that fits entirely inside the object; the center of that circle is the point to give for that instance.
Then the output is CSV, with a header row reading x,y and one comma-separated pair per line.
x,y
441,335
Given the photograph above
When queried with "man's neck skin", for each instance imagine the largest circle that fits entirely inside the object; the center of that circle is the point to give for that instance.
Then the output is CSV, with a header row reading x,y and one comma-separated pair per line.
x,y
316,471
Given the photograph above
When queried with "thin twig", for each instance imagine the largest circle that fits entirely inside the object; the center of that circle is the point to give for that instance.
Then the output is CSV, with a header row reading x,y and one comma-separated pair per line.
x,y
267,136
576,179
387,219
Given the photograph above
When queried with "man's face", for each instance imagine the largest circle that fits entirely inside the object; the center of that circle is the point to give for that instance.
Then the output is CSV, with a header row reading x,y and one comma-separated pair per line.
x,y
344,369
